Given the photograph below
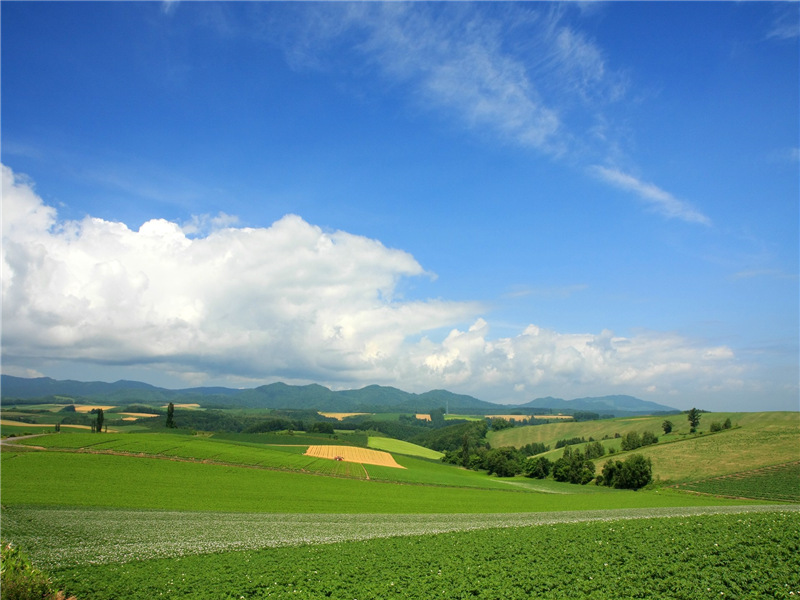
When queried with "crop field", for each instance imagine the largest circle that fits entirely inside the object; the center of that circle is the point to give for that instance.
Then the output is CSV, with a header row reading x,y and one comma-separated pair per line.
x,y
114,481
401,447
781,482
352,454
739,555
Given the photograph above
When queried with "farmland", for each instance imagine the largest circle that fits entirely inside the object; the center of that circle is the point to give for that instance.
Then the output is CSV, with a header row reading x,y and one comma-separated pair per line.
x,y
740,555
216,515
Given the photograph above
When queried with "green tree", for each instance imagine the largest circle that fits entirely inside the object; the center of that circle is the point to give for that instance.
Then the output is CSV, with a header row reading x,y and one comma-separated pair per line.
x,y
666,426
727,424
437,417
171,416
503,462
573,467
538,467
636,472
100,419
649,438
694,419
631,441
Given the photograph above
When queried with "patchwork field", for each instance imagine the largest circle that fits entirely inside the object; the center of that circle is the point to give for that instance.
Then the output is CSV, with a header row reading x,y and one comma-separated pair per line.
x,y
352,454
256,516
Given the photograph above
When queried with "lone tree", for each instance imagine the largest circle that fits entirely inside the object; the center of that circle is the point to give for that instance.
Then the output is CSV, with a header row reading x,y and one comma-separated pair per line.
x,y
100,418
666,426
170,416
694,419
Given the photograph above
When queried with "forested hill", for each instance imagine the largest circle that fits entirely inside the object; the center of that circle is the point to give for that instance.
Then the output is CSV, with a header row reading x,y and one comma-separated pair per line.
x,y
373,398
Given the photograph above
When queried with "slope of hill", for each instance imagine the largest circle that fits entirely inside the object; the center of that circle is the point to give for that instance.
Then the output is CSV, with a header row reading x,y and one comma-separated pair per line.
x,y
756,440
603,404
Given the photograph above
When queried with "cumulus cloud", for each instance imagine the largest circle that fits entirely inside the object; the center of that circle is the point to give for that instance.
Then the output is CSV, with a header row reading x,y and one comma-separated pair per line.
x,y
254,301
289,301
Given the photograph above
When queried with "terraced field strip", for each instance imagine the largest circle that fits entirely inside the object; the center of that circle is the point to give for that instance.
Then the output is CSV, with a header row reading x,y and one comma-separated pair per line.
x,y
341,415
85,408
777,482
353,454
21,424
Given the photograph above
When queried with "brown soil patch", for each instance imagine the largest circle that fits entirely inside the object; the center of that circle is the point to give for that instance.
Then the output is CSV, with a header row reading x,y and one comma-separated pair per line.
x,y
365,456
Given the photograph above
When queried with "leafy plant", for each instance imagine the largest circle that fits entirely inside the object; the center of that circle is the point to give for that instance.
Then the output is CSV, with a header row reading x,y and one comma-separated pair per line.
x,y
20,580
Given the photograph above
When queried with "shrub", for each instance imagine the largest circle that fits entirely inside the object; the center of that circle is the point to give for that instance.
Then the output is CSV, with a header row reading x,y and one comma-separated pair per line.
x,y
19,580
715,426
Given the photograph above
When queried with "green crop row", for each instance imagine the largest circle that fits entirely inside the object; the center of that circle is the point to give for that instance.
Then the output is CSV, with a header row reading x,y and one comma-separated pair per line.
x,y
744,556
775,483
65,537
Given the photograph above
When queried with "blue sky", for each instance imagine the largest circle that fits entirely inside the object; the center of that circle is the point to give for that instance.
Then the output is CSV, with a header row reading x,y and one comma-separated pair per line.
x,y
509,200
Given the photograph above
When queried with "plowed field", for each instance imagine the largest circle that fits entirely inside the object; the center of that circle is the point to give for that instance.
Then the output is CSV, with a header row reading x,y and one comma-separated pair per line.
x,y
352,454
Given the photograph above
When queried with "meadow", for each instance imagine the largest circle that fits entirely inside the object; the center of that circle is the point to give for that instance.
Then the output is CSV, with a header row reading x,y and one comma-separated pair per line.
x,y
249,516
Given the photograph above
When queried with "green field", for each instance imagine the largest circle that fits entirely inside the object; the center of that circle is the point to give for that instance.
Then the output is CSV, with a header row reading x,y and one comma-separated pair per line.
x,y
249,516
781,482
401,447
748,555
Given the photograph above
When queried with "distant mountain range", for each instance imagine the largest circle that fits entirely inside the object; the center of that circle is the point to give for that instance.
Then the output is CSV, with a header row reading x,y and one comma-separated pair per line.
x,y
373,398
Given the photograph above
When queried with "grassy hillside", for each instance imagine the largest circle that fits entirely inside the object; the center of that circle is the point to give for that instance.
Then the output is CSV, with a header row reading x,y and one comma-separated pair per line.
x,y
756,440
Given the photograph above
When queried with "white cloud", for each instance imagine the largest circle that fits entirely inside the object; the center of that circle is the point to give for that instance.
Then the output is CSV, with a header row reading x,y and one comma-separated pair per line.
x,y
291,302
514,72
661,201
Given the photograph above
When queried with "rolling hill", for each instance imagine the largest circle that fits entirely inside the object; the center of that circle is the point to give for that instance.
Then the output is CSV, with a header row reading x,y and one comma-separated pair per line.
x,y
373,398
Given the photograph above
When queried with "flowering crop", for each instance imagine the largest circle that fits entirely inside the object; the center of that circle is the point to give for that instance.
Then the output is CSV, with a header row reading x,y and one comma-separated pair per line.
x,y
752,555
59,537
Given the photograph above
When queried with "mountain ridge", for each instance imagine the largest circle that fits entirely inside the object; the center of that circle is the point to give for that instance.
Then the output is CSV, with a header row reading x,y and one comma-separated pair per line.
x,y
279,395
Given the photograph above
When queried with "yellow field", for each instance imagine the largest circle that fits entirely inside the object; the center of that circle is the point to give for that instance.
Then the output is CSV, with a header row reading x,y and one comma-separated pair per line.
x,y
51,425
190,405
138,415
422,417
354,455
85,408
340,415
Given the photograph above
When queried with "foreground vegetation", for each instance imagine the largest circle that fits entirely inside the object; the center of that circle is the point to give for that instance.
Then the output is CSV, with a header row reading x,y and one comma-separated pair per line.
x,y
710,556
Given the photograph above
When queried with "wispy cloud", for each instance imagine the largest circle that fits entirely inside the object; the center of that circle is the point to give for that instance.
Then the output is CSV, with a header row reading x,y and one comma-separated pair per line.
x,y
786,25
659,200
548,93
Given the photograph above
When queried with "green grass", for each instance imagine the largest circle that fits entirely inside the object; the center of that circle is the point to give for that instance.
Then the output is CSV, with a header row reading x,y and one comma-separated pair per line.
x,y
756,440
401,447
128,482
